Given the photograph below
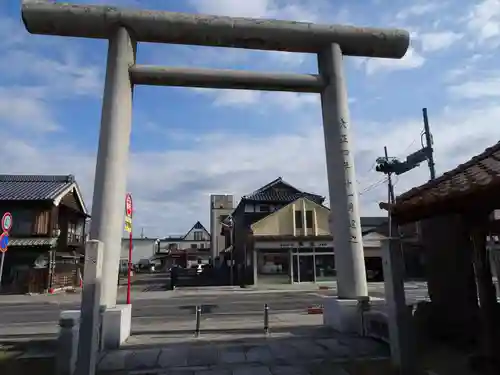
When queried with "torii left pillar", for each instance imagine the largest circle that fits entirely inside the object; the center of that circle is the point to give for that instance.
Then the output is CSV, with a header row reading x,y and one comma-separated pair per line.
x,y
111,180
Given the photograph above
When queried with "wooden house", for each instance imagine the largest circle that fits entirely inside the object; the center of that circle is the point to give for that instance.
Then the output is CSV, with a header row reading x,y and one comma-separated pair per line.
x,y
47,239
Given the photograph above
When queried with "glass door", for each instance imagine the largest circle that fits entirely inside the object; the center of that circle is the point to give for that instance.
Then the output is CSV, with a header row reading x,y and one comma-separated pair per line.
x,y
306,268
295,270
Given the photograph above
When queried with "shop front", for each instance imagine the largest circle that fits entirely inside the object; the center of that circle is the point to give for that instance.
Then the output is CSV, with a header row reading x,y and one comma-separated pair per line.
x,y
294,262
313,265
300,262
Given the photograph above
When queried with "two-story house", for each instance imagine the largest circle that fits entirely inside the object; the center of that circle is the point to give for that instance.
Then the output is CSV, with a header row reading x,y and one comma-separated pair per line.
x,y
47,240
185,250
282,235
252,208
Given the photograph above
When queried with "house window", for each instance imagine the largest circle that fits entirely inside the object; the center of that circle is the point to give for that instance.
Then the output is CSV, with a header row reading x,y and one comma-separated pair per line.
x,y
23,222
264,208
198,236
75,231
298,219
222,218
194,246
172,246
202,245
309,219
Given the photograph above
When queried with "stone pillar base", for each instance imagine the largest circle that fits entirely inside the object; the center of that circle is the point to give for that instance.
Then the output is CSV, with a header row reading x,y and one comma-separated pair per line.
x,y
343,314
67,342
116,325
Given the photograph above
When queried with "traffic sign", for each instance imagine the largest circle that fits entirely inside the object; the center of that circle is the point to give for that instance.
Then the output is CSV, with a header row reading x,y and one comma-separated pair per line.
x,y
129,209
7,222
128,226
4,242
128,205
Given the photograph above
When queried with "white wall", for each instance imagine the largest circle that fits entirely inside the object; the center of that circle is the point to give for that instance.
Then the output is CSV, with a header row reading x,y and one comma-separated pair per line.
x,y
204,236
142,248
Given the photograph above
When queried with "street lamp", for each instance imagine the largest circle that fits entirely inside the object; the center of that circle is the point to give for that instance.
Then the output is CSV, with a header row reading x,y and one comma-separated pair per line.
x,y
52,259
230,225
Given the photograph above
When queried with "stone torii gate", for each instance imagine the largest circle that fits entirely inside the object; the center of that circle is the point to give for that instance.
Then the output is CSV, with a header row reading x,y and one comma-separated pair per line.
x,y
123,28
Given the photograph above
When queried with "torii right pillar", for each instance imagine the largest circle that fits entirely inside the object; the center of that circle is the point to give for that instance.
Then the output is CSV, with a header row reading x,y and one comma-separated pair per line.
x,y
341,312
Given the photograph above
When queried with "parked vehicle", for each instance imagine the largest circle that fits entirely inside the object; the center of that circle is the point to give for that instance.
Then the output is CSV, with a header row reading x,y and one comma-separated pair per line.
x,y
198,267
145,265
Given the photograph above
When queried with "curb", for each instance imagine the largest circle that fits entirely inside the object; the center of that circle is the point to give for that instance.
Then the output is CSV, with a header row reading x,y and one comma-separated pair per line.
x,y
315,310
68,289
325,287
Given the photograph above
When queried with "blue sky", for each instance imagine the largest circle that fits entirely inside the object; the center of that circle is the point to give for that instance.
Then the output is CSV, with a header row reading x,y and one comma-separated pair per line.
x,y
188,143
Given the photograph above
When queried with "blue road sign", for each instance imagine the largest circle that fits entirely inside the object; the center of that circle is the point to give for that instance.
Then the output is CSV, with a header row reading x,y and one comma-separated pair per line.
x,y
4,241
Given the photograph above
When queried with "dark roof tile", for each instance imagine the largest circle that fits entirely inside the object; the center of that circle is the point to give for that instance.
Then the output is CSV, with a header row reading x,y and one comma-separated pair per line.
x,y
481,171
373,221
280,191
198,225
33,187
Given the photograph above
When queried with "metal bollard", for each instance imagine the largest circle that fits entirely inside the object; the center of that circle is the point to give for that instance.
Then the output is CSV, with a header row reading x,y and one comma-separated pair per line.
x,y
363,305
198,319
266,319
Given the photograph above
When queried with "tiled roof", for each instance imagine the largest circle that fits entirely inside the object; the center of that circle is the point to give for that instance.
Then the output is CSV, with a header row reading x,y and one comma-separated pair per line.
x,y
371,224
372,221
33,241
173,238
480,173
252,217
289,193
33,187
198,225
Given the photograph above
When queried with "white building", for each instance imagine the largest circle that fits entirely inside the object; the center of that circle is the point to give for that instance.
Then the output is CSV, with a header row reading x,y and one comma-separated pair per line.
x,y
142,248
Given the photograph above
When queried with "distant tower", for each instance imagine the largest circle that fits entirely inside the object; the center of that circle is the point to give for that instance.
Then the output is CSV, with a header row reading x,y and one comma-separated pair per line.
x,y
220,207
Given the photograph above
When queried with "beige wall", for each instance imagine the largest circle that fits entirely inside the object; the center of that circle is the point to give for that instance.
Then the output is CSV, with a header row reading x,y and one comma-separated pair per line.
x,y
282,222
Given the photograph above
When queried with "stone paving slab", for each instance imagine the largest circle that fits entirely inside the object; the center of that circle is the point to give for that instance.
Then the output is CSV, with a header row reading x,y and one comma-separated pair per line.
x,y
267,355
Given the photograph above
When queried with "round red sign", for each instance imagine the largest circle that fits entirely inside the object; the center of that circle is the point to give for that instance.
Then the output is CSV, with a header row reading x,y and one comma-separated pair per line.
x,y
128,205
6,222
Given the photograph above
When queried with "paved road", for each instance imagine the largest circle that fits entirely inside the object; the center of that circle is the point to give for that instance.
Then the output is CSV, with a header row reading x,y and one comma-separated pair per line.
x,y
174,308
156,307
146,282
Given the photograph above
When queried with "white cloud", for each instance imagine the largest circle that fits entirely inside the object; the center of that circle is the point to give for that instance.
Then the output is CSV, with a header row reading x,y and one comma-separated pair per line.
x,y
244,163
293,10
25,109
487,86
484,22
420,9
435,41
254,8
261,99
57,75
411,60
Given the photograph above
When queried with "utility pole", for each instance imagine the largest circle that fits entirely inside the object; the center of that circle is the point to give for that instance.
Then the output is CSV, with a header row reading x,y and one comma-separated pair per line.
x,y
390,189
391,200
394,270
428,144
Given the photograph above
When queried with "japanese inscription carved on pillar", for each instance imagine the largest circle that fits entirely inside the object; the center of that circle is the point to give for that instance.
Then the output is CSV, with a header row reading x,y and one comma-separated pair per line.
x,y
344,141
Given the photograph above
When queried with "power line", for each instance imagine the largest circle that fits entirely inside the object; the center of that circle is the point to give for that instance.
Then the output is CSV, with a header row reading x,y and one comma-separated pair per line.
x,y
373,186
407,148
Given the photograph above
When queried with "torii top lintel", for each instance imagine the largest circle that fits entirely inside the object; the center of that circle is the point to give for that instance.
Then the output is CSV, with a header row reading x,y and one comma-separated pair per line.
x,y
91,21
